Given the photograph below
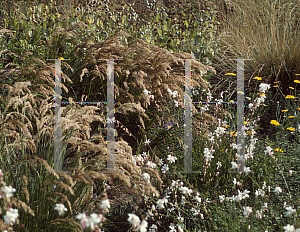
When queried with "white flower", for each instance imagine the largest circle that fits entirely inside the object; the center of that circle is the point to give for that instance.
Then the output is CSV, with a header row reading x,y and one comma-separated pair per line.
x,y
180,219
234,165
220,130
84,220
176,103
258,214
105,205
268,150
152,228
160,203
179,228
60,208
172,228
259,192
264,185
247,169
263,87
198,199
146,177
222,198
290,210
250,105
146,92
147,141
94,219
172,159
165,168
289,228
143,226
278,190
219,164
160,162
8,191
150,164
134,220
247,211
11,216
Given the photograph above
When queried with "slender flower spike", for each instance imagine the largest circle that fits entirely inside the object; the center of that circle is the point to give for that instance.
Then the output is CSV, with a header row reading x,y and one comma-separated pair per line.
x,y
60,208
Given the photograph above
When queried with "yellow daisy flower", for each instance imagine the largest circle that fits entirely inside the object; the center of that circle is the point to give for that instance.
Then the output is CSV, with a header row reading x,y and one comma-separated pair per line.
x,y
257,78
275,86
291,87
290,96
284,111
291,128
297,81
291,116
274,122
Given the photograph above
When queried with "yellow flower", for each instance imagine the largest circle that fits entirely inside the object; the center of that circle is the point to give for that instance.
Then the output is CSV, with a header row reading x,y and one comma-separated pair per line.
x,y
277,149
291,128
284,111
232,132
290,96
297,81
257,78
291,116
291,87
298,108
276,82
261,94
60,58
230,74
297,74
227,126
275,86
274,122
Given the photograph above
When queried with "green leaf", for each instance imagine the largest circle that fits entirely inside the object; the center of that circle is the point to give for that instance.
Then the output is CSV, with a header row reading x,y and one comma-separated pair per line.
x,y
165,26
186,23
